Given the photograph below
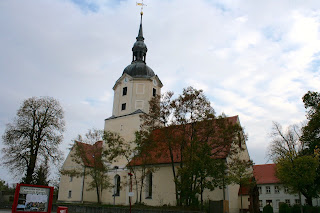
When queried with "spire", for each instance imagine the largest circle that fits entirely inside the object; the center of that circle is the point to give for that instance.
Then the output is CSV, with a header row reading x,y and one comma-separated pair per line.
x,y
140,34
139,48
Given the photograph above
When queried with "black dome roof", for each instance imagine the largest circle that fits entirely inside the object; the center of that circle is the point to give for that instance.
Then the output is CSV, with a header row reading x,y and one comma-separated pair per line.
x,y
139,69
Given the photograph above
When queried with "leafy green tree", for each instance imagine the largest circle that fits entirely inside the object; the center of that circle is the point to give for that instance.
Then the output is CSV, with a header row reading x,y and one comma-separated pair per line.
x,y
299,175
3,185
187,127
311,132
33,136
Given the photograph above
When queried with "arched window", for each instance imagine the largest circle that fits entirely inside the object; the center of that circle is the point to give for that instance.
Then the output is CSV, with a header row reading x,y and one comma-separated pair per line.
x,y
149,185
117,185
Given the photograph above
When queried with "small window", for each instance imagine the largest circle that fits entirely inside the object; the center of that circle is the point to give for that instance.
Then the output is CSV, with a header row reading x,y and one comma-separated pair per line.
x,y
123,106
276,190
297,201
117,185
286,190
69,194
71,178
260,204
260,190
124,91
268,190
287,201
154,92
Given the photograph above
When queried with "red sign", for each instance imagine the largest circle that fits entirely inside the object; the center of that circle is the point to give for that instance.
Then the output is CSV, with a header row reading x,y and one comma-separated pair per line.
x,y
32,198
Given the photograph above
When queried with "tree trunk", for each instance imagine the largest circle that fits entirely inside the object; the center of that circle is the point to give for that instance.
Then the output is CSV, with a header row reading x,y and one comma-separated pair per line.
x,y
30,169
98,194
301,209
309,201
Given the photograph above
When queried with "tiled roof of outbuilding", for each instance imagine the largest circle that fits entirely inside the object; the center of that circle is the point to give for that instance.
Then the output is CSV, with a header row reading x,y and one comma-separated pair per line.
x,y
265,173
88,152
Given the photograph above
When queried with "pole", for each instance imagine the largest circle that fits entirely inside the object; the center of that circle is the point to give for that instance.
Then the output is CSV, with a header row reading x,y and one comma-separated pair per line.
x,y
130,174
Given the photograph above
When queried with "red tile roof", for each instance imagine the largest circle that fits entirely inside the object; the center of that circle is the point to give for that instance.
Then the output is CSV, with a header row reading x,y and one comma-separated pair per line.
x,y
265,173
89,152
244,190
159,152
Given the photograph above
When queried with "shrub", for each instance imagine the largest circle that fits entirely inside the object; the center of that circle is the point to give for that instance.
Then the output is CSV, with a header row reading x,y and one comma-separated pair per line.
x,y
284,208
295,209
311,209
267,209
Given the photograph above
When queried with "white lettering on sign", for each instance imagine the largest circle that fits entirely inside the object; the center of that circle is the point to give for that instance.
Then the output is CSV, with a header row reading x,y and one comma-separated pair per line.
x,y
34,190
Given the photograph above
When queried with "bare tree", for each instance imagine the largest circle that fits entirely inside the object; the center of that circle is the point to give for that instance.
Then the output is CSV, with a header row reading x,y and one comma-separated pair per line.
x,y
33,136
285,143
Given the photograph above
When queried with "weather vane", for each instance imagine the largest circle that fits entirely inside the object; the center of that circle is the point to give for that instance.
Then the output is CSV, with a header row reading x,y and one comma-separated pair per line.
x,y
141,4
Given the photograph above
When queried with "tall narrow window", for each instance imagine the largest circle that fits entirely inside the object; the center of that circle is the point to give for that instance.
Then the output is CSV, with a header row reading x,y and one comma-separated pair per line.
x,y
117,185
124,91
71,178
69,194
149,186
154,92
123,106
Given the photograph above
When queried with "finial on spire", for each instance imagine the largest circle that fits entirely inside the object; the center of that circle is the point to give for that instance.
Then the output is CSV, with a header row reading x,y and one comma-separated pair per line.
x,y
141,4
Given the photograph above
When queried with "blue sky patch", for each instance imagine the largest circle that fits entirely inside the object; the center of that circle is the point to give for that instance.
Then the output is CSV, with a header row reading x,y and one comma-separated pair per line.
x,y
273,34
87,5
314,65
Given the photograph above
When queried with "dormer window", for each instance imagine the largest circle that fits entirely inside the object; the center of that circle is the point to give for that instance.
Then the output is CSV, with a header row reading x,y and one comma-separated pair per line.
x,y
124,91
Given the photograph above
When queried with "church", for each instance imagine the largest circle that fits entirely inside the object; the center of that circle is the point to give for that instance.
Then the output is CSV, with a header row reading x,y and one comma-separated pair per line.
x,y
132,93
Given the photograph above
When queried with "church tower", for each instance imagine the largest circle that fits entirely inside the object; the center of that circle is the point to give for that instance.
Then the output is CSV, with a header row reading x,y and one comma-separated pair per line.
x,y
132,92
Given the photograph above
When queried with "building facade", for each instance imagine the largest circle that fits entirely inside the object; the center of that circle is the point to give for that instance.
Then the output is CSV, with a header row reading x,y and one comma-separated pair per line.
x,y
132,92
272,192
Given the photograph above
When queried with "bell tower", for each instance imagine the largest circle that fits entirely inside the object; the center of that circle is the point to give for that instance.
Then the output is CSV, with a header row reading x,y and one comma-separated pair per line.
x,y
133,91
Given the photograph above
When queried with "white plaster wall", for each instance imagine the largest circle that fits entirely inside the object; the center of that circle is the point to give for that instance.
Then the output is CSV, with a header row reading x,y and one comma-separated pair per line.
x,y
281,196
133,94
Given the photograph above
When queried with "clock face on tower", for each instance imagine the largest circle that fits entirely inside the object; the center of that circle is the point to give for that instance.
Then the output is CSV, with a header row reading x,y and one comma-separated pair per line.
x,y
155,82
125,80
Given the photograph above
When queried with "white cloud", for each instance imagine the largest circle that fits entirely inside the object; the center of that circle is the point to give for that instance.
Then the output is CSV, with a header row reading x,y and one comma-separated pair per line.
x,y
254,59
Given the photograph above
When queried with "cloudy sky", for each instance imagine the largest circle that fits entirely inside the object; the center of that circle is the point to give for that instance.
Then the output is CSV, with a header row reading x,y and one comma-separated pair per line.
x,y
255,59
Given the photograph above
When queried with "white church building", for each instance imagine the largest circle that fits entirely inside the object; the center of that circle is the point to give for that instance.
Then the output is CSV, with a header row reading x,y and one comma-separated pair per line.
x,y
132,92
